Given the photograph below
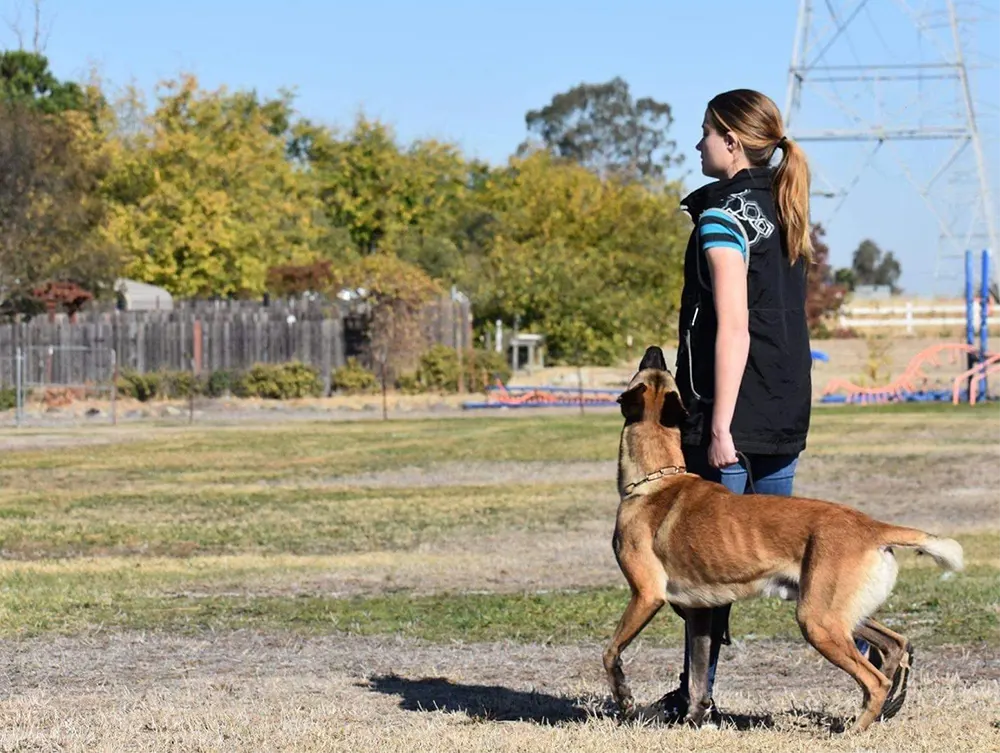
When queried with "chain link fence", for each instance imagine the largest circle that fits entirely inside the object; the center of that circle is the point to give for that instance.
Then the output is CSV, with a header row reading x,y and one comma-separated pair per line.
x,y
55,374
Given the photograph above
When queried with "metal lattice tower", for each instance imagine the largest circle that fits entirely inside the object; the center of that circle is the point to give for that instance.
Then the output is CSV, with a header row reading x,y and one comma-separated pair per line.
x,y
912,101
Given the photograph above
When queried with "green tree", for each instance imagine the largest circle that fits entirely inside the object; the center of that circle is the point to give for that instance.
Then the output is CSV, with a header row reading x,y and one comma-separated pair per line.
x,y
51,208
207,200
25,79
603,128
584,261
870,265
386,197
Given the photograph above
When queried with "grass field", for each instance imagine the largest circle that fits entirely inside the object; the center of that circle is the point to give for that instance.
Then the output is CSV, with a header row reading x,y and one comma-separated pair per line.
x,y
444,584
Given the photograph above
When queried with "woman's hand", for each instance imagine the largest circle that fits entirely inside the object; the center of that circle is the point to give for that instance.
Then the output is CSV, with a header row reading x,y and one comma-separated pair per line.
x,y
722,451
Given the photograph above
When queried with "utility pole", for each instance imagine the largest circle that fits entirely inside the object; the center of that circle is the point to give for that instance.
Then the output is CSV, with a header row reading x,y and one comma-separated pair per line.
x,y
842,68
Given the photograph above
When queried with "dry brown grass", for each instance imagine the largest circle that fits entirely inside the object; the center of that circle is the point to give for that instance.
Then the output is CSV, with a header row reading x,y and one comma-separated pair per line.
x,y
96,690
252,692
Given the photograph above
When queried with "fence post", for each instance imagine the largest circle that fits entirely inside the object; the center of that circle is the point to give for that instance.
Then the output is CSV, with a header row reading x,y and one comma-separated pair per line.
x,y
114,387
18,398
191,389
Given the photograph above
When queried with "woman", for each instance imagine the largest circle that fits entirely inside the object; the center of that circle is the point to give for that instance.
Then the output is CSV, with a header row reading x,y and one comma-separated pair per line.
x,y
743,364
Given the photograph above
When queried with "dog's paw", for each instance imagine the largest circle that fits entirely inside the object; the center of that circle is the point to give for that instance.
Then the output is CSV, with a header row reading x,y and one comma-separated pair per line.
x,y
626,707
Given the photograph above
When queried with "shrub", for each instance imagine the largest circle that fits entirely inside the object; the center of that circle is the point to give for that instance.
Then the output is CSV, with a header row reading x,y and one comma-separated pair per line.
x,y
8,398
179,384
438,370
141,387
221,382
279,381
353,378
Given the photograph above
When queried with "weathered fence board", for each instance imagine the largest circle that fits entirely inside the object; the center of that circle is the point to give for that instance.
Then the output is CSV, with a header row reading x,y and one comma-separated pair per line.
x,y
231,335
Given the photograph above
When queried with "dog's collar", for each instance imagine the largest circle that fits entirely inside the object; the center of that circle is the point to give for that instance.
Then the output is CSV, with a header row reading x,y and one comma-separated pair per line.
x,y
670,470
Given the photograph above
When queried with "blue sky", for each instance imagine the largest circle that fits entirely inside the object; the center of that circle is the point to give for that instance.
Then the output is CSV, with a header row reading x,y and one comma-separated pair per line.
x,y
467,72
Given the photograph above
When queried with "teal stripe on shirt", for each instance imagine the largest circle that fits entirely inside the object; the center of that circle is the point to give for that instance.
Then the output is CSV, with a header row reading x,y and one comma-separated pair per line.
x,y
717,229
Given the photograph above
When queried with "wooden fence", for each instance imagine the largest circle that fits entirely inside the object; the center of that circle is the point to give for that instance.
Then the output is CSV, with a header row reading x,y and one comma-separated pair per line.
x,y
206,336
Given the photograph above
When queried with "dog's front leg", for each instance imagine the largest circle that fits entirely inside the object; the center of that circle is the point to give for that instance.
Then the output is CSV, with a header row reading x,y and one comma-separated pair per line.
x,y
699,630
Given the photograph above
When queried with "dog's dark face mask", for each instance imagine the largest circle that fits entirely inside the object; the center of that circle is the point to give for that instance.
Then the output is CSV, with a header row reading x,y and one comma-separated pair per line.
x,y
652,393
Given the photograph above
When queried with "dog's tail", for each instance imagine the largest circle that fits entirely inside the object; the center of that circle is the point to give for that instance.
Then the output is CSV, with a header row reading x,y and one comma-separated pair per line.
x,y
947,553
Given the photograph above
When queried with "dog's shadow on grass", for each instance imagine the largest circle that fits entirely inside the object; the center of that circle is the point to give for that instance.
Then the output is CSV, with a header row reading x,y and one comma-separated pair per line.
x,y
482,702
501,704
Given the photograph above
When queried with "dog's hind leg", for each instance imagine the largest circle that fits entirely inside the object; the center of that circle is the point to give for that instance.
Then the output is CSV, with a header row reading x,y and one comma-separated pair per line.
x,y
828,634
830,598
699,630
640,610
898,655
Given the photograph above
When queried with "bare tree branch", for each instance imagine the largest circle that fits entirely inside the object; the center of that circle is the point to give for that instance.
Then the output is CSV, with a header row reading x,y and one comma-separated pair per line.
x,y
15,27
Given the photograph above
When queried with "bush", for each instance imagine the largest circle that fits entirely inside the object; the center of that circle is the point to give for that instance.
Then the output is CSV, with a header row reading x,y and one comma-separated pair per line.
x,y
221,382
438,371
279,381
180,384
483,368
8,398
141,387
353,379
273,381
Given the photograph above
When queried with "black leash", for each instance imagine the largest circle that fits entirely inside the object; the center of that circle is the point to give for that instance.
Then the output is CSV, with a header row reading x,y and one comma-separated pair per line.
x,y
749,471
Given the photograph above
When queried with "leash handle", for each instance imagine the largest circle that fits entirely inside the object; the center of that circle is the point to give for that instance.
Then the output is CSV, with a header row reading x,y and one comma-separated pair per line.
x,y
746,460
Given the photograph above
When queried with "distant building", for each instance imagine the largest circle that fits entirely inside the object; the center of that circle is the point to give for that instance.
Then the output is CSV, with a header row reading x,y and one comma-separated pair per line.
x,y
133,295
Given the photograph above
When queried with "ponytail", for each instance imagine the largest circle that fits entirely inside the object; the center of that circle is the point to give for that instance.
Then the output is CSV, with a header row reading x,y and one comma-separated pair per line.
x,y
755,119
791,193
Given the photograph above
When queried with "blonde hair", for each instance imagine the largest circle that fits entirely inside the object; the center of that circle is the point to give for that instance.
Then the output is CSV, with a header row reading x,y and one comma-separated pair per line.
x,y
756,121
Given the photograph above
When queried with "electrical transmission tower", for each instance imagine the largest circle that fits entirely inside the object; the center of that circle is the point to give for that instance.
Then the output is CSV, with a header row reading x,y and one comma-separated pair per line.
x,y
877,79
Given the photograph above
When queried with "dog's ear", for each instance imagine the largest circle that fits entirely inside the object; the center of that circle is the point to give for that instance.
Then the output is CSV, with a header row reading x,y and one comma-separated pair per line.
x,y
673,412
653,359
632,403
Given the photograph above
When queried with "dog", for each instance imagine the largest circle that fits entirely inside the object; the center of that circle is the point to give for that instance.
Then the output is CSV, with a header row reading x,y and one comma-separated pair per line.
x,y
692,543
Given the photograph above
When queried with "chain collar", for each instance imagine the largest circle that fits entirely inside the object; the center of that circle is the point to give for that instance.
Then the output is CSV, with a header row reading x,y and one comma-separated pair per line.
x,y
670,470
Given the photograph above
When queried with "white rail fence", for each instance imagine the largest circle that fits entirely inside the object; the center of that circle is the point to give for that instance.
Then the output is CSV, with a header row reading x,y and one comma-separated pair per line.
x,y
910,316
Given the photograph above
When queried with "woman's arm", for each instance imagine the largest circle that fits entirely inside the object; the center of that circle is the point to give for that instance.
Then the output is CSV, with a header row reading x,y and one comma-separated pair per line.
x,y
732,344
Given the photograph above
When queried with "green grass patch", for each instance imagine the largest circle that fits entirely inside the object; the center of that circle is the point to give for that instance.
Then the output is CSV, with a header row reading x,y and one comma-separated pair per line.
x,y
218,520
925,607
316,450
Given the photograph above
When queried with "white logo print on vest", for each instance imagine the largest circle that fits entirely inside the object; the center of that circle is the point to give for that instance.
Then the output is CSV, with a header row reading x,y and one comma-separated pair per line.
x,y
751,215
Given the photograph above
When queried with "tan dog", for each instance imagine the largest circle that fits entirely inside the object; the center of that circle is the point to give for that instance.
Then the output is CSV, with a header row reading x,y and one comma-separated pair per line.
x,y
693,543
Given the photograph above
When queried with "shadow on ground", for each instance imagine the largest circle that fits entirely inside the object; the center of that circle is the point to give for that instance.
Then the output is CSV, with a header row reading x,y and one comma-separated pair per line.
x,y
501,704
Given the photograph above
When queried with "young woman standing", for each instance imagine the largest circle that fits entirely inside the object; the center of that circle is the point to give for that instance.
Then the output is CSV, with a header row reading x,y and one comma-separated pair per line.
x,y
744,360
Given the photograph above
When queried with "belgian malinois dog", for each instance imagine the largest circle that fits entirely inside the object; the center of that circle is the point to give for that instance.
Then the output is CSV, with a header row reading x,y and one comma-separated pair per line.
x,y
682,540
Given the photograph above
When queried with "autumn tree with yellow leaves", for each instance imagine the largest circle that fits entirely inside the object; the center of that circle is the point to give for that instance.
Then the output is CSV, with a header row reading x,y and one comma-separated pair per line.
x,y
208,199
226,194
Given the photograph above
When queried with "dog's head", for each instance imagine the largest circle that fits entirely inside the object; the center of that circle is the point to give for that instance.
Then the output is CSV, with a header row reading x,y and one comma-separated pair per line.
x,y
652,394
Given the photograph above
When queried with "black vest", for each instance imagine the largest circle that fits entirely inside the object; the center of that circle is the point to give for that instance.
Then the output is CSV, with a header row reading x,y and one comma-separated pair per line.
x,y
775,396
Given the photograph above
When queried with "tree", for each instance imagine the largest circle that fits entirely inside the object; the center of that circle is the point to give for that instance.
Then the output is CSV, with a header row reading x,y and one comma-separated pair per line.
x,y
51,209
296,279
206,201
824,294
395,293
378,191
871,266
601,127
583,261
25,79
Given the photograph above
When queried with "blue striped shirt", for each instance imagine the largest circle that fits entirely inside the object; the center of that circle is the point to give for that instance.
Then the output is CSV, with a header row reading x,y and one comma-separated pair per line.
x,y
717,228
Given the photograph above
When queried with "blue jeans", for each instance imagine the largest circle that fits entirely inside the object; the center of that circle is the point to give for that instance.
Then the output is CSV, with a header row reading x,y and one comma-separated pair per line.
x,y
769,474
